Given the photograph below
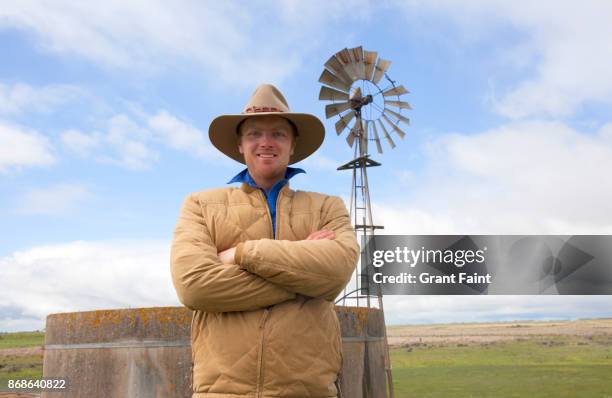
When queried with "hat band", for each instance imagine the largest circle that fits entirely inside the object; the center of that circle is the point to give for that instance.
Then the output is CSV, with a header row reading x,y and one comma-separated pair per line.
x,y
258,109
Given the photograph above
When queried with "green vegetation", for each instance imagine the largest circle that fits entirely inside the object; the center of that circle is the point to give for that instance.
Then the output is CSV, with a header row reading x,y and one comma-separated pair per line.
x,y
538,367
16,364
20,367
22,339
535,367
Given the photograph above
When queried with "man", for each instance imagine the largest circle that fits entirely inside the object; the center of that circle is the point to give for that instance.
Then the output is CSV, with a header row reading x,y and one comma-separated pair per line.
x,y
261,264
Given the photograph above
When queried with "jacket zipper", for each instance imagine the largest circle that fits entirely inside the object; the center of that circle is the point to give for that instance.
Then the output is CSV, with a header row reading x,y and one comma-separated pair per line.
x,y
276,233
259,390
262,323
273,235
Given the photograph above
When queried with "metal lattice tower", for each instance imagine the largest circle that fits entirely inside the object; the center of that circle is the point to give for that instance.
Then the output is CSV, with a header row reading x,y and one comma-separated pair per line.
x,y
352,79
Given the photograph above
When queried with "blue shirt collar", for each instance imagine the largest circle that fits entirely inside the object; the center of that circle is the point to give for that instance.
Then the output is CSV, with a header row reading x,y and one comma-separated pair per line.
x,y
245,177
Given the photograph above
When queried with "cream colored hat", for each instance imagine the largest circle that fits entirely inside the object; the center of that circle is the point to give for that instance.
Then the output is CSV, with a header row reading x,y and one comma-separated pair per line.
x,y
267,100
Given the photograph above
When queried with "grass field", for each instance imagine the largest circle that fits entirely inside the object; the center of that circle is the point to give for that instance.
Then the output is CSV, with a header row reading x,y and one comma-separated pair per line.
x,y
21,339
538,367
534,359
20,357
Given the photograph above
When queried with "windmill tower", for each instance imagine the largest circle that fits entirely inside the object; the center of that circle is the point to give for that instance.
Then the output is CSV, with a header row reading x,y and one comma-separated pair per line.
x,y
362,101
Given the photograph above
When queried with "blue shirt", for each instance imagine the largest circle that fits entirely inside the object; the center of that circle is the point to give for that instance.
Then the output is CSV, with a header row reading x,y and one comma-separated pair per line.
x,y
270,194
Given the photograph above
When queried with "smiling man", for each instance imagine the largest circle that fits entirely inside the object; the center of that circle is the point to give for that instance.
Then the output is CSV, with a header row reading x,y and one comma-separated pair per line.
x,y
260,264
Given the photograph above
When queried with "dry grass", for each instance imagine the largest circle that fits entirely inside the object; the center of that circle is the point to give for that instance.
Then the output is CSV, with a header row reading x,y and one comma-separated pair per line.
x,y
481,333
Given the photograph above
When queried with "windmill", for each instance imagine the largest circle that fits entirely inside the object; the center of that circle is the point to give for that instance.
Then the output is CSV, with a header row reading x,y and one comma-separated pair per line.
x,y
367,103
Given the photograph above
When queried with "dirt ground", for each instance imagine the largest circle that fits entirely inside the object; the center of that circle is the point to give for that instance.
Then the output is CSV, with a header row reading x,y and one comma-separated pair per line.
x,y
21,351
479,333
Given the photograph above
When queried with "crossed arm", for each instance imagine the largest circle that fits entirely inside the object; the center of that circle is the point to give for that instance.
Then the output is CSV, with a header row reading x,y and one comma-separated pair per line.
x,y
203,281
316,267
258,273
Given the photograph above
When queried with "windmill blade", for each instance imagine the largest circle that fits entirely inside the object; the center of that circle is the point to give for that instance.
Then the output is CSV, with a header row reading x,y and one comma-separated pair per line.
x,y
356,94
386,134
397,116
399,104
381,67
399,90
358,62
331,80
330,94
343,56
344,121
370,62
345,59
395,128
350,138
334,109
364,138
351,66
376,138
335,67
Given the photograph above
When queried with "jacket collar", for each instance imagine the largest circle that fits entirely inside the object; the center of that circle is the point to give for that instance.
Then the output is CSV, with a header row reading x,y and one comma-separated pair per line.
x,y
248,184
245,176
249,189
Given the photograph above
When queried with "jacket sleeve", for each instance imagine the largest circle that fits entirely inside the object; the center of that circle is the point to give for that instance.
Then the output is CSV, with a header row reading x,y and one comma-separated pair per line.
x,y
314,268
203,282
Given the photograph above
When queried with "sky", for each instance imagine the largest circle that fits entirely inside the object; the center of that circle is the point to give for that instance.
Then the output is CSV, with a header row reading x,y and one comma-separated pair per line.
x,y
104,114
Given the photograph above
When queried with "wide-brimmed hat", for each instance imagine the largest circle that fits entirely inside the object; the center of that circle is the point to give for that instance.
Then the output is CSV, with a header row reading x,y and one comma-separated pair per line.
x,y
267,100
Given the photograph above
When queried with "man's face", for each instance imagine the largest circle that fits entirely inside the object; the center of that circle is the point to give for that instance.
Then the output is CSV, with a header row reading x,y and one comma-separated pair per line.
x,y
266,142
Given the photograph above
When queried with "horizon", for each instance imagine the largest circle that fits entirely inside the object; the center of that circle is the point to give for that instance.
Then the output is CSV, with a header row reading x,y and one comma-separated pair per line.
x,y
421,324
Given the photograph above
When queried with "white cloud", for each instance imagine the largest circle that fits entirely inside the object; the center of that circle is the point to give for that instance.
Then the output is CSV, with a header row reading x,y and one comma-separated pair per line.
x,y
564,47
21,147
79,276
522,178
57,199
133,141
118,33
449,309
181,136
224,38
22,97
80,143
130,142
124,143
320,162
83,276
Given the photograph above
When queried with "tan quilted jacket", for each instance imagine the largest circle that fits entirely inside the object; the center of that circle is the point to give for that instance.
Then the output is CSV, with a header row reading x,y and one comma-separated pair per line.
x,y
266,326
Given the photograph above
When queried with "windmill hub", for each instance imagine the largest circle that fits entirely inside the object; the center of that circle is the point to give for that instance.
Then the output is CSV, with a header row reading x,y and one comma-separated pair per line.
x,y
358,103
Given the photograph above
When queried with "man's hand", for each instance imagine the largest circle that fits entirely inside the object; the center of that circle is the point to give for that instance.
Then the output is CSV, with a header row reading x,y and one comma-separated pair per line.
x,y
322,234
227,256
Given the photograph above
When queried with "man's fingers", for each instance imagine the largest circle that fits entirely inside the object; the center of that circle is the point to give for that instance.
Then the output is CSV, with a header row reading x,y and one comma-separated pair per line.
x,y
227,256
328,235
315,235
322,234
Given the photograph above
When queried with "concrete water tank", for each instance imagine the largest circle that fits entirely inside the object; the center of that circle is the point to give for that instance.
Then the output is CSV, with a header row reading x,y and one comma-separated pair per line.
x,y
145,352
